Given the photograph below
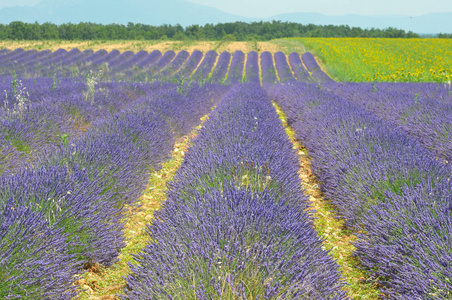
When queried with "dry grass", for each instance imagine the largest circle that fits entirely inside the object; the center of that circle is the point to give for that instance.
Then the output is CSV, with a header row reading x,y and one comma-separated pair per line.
x,y
105,283
338,239
123,45
244,67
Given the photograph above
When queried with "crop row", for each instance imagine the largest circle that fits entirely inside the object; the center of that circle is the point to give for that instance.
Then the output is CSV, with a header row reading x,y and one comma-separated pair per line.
x,y
34,115
424,111
72,154
143,66
62,212
385,183
234,225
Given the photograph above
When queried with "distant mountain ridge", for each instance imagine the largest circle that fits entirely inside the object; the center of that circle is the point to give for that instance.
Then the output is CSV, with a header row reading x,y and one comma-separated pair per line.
x,y
430,23
152,12
158,12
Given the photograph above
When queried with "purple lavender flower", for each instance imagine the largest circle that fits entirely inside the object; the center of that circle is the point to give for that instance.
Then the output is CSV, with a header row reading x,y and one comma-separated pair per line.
x,y
284,71
235,222
383,182
221,68
190,65
205,67
268,69
252,67
313,67
298,68
235,73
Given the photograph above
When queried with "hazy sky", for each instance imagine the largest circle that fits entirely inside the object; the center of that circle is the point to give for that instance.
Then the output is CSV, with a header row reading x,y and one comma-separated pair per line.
x,y
268,8
6,3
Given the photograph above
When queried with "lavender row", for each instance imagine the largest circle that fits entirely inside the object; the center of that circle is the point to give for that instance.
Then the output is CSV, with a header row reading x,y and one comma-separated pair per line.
x,y
58,63
316,72
298,68
61,62
424,111
15,56
120,59
10,58
76,64
174,66
40,57
3,53
191,65
385,185
73,206
235,224
142,66
154,66
15,59
268,69
34,115
284,71
205,67
235,73
73,196
221,68
161,63
80,211
252,68
42,65
136,73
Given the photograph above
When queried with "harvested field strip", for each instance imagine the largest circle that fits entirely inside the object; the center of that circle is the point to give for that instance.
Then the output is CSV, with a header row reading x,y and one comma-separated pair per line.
x,y
106,283
338,239
122,46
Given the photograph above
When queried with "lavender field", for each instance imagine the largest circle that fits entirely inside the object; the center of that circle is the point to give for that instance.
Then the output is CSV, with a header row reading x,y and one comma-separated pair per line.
x,y
81,133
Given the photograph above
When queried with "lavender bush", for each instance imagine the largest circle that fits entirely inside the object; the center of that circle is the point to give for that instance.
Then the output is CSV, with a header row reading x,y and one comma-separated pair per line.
x,y
298,68
268,69
252,68
174,66
313,67
205,67
34,257
235,73
385,184
190,65
424,111
76,188
161,63
284,71
234,225
221,68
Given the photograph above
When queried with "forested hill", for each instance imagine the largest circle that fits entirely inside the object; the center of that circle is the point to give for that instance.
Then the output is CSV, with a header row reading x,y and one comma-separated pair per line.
x,y
239,31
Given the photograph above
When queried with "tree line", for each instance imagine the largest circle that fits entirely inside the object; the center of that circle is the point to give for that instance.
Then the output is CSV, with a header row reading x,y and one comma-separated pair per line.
x,y
445,35
240,31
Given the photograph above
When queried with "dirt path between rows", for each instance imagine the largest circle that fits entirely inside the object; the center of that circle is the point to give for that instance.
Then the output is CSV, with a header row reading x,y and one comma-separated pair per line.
x,y
338,239
102,283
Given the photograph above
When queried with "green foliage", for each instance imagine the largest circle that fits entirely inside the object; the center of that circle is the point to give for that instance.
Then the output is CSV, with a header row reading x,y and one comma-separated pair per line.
x,y
64,138
239,31
229,38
